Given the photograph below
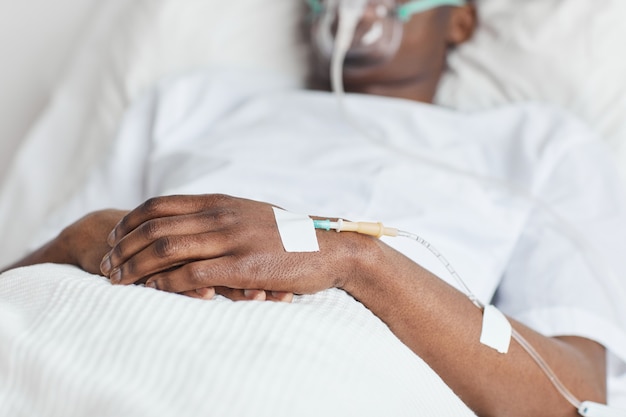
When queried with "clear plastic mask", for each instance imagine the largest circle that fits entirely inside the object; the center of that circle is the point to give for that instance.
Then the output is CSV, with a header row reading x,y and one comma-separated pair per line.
x,y
377,35
376,38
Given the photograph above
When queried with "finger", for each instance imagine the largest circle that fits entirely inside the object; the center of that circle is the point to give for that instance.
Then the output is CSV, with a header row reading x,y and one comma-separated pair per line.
x,y
241,295
152,231
220,272
169,252
201,293
160,207
280,296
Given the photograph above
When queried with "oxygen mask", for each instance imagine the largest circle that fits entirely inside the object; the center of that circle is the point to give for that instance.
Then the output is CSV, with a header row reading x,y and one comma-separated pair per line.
x,y
371,36
369,32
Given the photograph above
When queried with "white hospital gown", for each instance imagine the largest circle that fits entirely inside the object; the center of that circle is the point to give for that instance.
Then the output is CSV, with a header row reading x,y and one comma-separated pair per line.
x,y
523,201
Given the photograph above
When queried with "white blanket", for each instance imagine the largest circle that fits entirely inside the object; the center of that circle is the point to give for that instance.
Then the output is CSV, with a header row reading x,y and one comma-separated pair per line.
x,y
73,345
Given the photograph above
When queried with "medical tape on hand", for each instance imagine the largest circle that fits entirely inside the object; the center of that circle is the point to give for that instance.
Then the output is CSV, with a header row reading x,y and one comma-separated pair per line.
x,y
297,231
497,330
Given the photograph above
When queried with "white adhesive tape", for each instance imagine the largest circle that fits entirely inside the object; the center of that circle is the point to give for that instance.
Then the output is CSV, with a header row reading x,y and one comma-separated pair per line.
x,y
497,330
297,231
591,409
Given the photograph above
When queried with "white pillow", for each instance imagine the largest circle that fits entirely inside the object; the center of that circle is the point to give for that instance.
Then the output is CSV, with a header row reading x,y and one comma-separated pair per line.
x,y
565,52
142,41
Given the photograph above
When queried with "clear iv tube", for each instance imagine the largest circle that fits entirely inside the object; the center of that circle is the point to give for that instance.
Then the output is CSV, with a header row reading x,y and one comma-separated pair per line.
x,y
556,382
528,348
445,263
379,230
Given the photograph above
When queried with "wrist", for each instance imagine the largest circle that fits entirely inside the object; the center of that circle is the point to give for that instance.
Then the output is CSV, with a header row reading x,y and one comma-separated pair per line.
x,y
59,250
55,251
387,282
367,258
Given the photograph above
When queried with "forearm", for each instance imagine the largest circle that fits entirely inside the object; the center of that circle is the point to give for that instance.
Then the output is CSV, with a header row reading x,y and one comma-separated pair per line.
x,y
52,252
443,327
82,243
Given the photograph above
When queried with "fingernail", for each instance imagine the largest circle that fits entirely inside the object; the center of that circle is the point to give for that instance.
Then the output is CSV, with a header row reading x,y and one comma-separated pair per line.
x,y
111,238
206,293
105,266
253,294
151,284
116,276
284,297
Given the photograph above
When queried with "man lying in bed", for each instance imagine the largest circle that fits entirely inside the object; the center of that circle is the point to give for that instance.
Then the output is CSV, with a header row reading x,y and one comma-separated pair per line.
x,y
256,137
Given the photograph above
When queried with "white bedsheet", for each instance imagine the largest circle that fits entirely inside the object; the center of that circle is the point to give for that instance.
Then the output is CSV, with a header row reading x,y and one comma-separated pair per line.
x,y
73,345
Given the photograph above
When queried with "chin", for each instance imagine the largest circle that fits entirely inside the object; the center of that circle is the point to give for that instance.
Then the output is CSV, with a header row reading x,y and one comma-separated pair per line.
x,y
360,78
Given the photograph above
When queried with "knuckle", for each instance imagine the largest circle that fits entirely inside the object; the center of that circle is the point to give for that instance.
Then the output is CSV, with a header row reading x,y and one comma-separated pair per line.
x,y
129,270
221,216
218,201
122,226
152,205
117,253
196,272
166,283
150,230
164,247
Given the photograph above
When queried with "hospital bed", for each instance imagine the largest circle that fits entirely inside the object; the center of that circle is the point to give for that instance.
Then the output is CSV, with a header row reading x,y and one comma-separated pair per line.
x,y
225,360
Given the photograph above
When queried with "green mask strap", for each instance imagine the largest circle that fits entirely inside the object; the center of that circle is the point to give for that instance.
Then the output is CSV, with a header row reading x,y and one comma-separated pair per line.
x,y
316,6
407,10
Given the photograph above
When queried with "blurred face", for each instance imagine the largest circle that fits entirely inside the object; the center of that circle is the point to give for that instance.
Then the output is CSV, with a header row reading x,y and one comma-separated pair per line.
x,y
415,69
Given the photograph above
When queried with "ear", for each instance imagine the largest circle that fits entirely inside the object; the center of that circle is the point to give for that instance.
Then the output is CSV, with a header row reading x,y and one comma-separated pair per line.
x,y
462,24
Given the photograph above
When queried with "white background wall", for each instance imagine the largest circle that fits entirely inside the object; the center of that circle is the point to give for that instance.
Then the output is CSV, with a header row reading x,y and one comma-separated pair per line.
x,y
36,41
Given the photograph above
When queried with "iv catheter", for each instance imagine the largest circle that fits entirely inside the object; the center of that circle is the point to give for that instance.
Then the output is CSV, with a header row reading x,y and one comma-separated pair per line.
x,y
585,408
